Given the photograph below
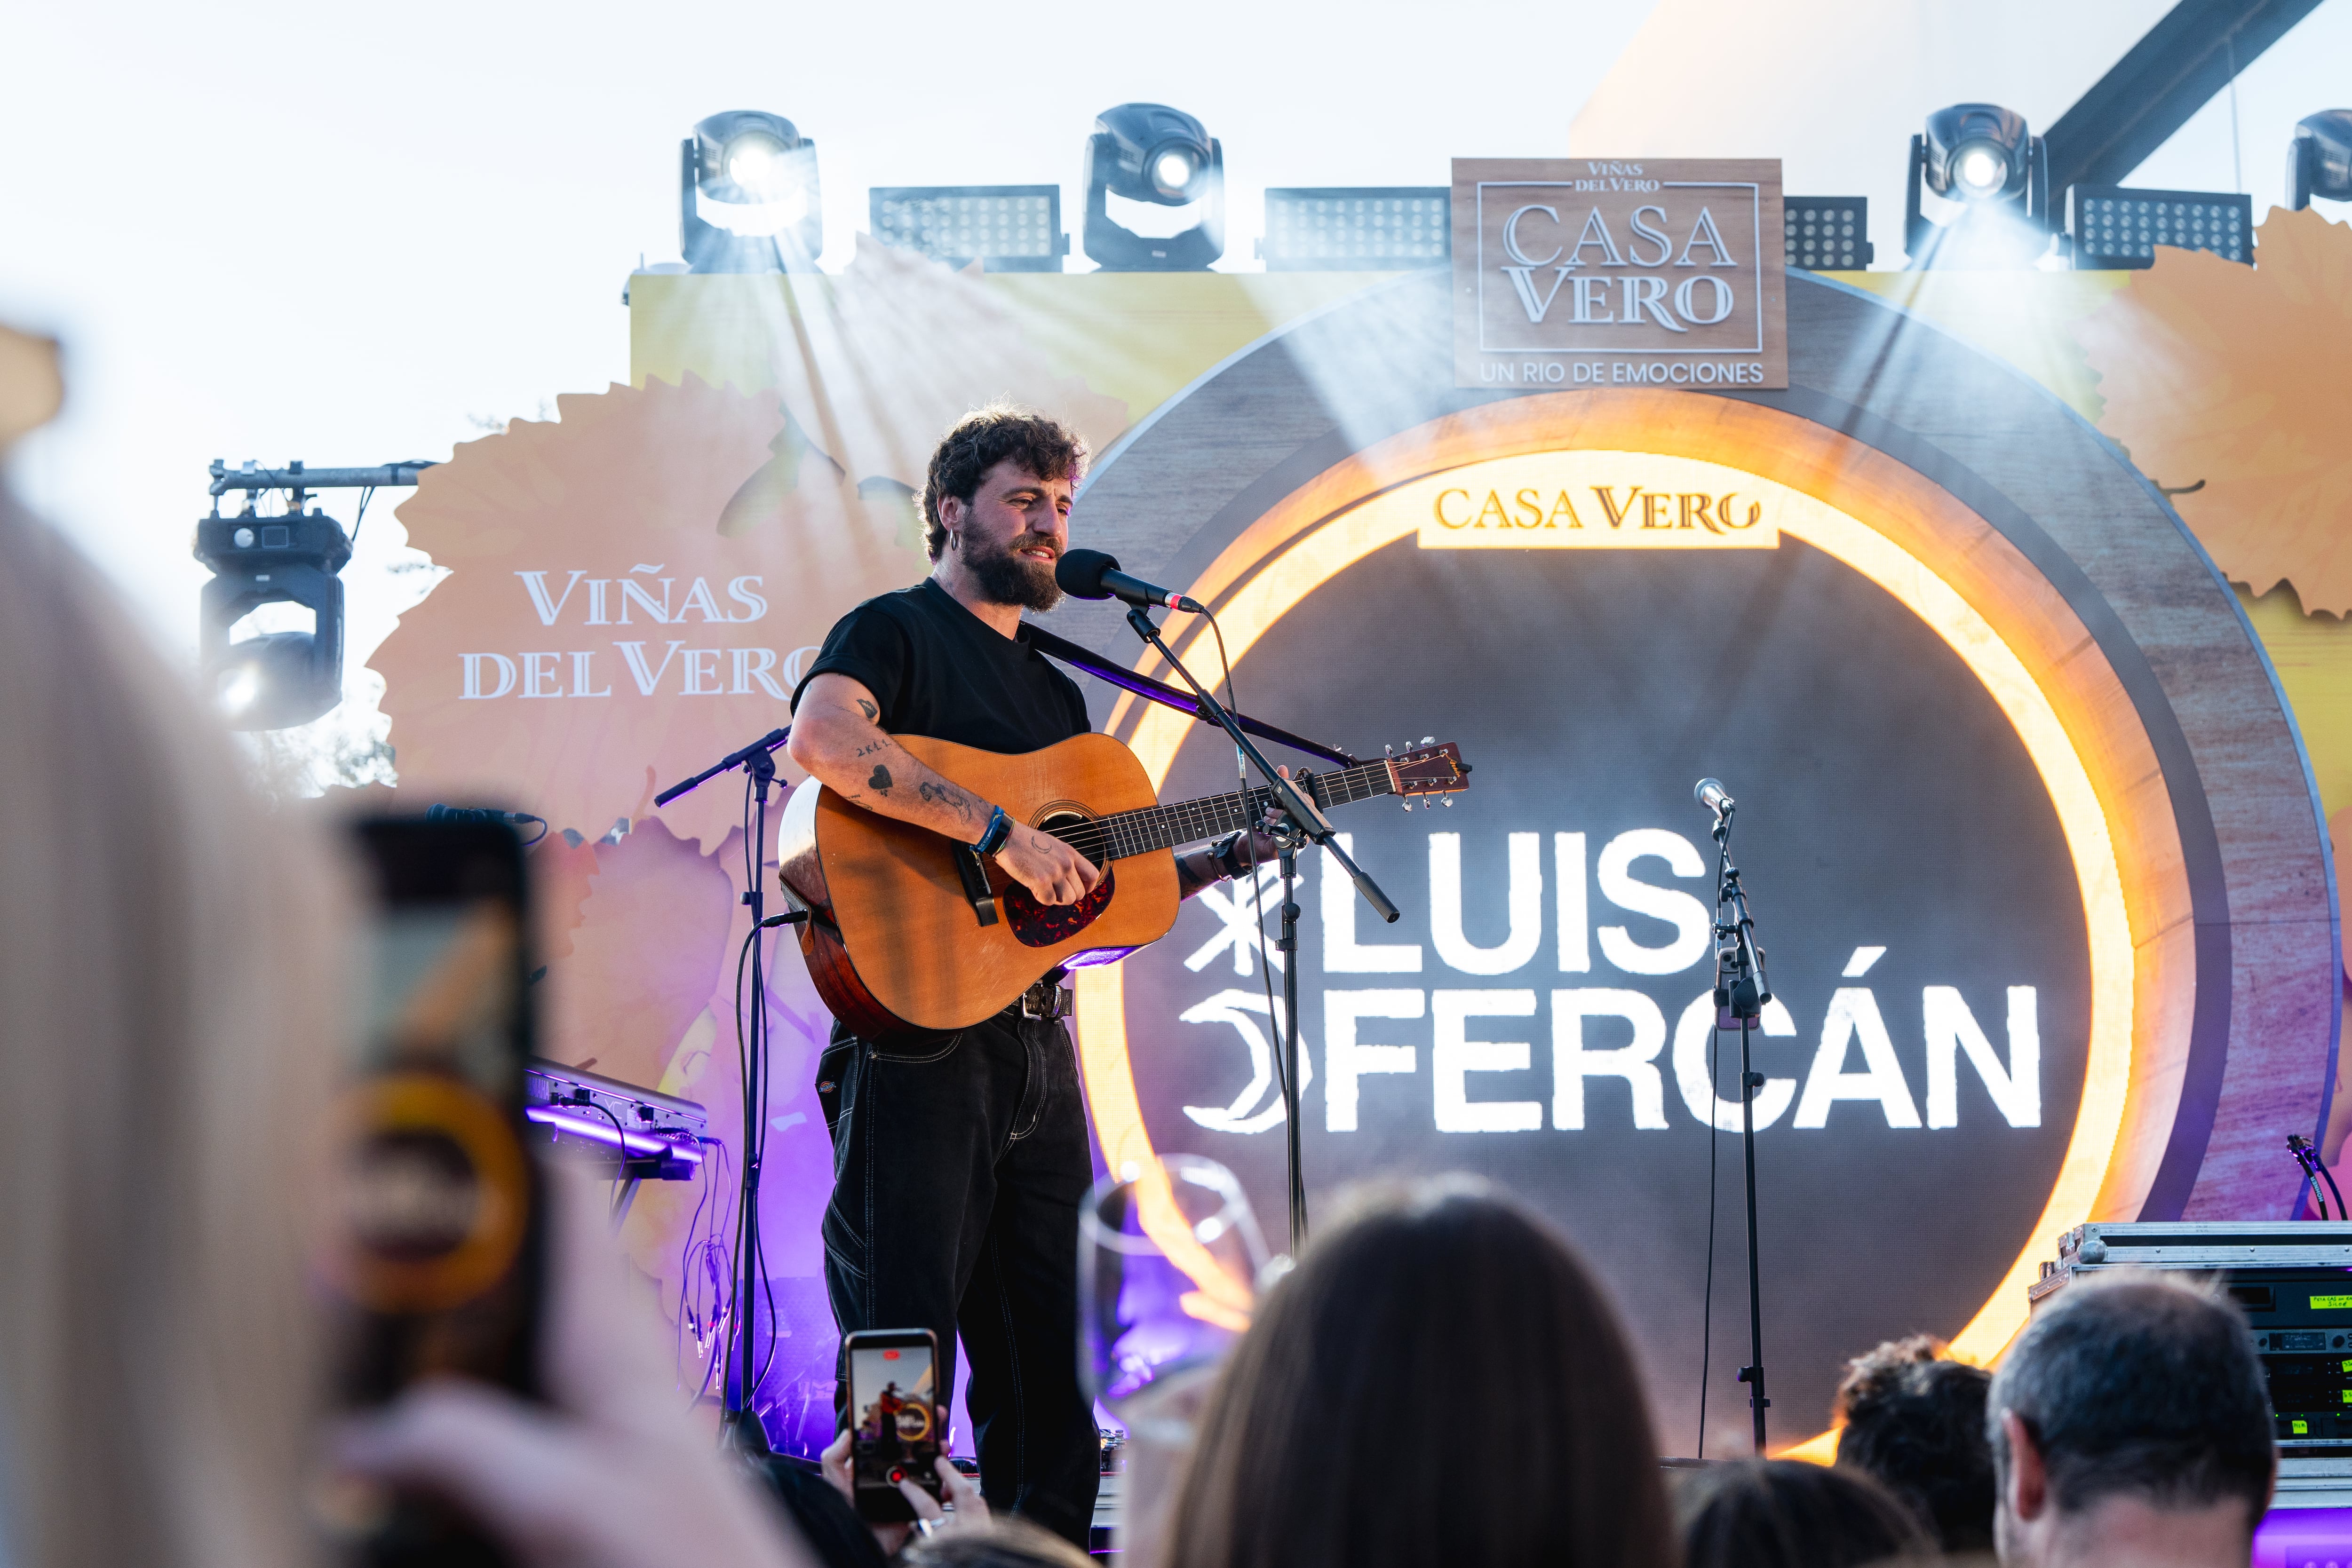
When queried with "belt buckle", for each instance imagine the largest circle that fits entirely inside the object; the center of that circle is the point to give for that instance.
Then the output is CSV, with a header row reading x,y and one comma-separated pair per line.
x,y
1047,1003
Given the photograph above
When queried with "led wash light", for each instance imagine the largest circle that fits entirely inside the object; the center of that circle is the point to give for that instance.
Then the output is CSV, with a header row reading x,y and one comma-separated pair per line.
x,y
1159,157
2118,227
1826,234
1005,228
1366,228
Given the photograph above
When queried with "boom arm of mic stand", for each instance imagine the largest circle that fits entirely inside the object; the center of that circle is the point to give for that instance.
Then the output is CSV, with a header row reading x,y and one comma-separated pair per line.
x,y
1301,808
766,743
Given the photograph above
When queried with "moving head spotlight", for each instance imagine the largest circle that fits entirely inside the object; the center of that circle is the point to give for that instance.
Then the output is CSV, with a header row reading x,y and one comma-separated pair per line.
x,y
276,678
747,195
1150,154
272,679
2319,159
1986,157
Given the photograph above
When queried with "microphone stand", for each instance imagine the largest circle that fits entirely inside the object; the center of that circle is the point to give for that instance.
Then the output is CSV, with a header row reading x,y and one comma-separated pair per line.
x,y
1741,990
739,1425
1308,821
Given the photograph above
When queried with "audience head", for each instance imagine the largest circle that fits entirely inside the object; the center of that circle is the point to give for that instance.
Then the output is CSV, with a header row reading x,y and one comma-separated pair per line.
x,y
1914,1422
1440,1380
168,1016
2131,1414
1782,1513
999,1543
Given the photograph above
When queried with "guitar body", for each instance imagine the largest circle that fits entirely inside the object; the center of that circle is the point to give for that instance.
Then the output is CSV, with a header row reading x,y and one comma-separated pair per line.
x,y
895,945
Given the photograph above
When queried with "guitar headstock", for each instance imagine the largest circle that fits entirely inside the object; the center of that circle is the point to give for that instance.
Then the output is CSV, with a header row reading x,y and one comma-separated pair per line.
x,y
1429,769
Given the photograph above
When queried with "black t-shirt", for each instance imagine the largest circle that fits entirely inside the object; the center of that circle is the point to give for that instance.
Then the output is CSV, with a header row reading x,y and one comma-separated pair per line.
x,y
936,669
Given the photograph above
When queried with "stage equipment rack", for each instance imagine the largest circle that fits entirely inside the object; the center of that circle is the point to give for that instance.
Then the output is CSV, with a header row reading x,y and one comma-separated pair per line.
x,y
2292,1279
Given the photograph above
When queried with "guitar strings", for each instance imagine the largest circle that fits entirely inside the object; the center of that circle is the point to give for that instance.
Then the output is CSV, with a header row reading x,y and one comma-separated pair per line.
x,y
1159,827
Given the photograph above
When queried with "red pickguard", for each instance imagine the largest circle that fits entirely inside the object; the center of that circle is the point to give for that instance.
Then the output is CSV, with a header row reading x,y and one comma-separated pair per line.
x,y
1039,925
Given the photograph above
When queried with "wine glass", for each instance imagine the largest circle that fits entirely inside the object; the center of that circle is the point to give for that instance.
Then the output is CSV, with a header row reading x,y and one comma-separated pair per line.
x,y
1170,1257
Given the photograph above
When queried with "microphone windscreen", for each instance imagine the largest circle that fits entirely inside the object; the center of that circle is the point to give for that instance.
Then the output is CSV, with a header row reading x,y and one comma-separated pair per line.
x,y
1079,573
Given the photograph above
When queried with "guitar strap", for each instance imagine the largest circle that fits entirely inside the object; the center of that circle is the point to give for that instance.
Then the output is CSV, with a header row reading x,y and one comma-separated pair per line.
x,y
1161,692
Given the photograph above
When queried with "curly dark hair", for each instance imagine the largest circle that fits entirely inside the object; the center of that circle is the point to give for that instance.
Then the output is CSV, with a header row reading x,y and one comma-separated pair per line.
x,y
984,438
1914,1420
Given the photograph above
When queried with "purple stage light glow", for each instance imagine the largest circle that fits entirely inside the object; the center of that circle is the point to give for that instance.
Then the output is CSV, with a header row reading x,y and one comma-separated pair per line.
x,y
640,1145
2302,1537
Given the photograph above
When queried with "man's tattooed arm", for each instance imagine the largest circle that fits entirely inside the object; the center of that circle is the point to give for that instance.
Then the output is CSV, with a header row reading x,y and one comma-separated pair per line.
x,y
837,739
947,794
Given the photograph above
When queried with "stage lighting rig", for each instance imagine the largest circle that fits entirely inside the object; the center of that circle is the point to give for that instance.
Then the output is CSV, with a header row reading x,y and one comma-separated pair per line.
x,y
1985,158
271,680
1356,228
2118,228
1159,157
1826,234
747,195
1005,228
2319,159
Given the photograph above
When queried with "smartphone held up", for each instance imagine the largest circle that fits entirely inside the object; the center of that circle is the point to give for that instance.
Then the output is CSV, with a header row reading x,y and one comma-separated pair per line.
x,y
894,1413
432,1230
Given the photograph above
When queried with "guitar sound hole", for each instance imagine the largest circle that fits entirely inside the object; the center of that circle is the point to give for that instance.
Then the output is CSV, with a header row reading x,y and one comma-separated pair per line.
x,y
1036,924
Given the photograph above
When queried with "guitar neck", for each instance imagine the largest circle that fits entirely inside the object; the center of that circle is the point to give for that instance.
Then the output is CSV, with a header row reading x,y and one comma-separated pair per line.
x,y
1129,833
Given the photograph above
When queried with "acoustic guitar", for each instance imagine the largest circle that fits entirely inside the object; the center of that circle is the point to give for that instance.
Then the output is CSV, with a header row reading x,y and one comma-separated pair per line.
x,y
910,933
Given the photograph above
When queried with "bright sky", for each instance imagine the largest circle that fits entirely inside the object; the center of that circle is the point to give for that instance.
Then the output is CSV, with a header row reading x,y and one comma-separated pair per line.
x,y
354,233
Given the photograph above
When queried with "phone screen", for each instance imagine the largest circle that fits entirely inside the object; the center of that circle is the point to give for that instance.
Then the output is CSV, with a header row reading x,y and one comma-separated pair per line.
x,y
436,1216
894,1411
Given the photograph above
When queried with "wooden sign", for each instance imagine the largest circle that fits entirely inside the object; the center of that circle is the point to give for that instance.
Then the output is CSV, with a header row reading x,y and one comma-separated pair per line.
x,y
1585,272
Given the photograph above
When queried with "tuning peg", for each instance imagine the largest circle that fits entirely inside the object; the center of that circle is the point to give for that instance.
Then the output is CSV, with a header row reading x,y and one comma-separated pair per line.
x,y
1408,806
1390,750
1449,802
1429,740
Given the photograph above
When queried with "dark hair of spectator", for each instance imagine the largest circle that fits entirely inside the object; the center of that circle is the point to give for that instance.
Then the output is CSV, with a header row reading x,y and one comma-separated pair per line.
x,y
999,1543
1914,1422
1783,1513
1440,1381
2142,1385
983,439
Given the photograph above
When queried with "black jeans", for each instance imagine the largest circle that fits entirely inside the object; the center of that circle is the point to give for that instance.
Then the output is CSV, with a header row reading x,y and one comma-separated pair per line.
x,y
959,1167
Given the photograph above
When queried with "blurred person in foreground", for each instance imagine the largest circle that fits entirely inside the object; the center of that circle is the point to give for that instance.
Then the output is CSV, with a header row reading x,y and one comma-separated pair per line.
x,y
2130,1424
172,1014
168,1020
1440,1381
1914,1420
1783,1513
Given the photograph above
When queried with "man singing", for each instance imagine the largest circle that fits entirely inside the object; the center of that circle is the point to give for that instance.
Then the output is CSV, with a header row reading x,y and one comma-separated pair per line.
x,y
959,1161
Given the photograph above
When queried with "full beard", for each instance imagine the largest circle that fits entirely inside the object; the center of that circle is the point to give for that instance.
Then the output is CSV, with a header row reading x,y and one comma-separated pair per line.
x,y
1009,579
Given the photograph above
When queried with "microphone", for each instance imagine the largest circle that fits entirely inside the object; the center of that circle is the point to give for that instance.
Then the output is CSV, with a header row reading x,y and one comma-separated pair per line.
x,y
476,814
1711,794
1091,574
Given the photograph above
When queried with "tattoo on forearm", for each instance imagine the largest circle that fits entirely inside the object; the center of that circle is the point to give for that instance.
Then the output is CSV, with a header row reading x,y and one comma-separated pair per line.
x,y
880,780
873,714
947,795
869,750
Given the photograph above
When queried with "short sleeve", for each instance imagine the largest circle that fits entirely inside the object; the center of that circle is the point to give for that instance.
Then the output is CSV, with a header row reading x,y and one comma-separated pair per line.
x,y
869,646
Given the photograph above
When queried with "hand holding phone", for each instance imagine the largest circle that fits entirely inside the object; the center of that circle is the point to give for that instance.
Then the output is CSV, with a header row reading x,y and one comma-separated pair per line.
x,y
894,1420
